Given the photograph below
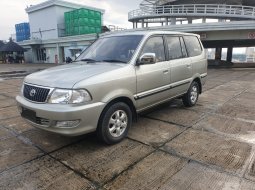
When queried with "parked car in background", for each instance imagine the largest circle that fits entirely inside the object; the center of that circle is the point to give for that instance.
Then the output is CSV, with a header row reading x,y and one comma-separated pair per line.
x,y
118,76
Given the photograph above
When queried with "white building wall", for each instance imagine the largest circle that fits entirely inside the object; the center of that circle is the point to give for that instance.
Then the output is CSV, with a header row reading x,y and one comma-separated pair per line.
x,y
28,56
43,24
47,23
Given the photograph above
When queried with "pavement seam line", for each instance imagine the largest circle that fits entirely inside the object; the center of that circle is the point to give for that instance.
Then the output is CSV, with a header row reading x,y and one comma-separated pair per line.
x,y
77,172
138,161
225,82
45,153
235,96
129,167
203,117
8,118
18,165
222,135
190,159
229,117
7,106
214,167
169,122
252,158
59,161
7,96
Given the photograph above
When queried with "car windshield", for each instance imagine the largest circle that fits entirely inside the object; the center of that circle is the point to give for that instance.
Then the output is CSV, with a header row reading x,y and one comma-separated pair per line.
x,y
117,49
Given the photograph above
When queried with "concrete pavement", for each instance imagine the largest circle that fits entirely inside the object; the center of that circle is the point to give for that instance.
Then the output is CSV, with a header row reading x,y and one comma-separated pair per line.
x,y
209,146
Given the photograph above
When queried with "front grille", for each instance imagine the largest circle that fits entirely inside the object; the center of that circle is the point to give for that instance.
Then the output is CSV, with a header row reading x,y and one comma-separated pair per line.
x,y
35,94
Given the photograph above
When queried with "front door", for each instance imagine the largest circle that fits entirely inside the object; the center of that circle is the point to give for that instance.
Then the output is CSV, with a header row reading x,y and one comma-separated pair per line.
x,y
152,79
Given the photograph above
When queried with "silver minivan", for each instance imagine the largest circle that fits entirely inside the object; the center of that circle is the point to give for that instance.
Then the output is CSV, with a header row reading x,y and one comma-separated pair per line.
x,y
118,76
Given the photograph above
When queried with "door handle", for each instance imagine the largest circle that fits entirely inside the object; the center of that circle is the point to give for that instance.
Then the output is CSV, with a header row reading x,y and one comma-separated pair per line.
x,y
188,65
165,71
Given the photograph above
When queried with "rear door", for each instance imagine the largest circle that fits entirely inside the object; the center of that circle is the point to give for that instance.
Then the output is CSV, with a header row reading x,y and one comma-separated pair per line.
x,y
180,65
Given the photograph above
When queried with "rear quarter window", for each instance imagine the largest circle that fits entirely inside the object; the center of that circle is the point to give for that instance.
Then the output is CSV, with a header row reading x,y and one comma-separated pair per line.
x,y
193,45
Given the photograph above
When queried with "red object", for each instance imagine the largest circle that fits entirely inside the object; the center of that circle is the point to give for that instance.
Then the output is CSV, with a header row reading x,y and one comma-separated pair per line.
x,y
56,59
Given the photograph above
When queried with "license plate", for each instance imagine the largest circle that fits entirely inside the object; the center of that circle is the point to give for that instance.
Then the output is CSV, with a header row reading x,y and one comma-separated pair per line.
x,y
29,114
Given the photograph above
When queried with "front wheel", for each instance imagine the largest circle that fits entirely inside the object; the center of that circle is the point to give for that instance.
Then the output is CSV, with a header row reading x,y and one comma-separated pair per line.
x,y
114,123
191,97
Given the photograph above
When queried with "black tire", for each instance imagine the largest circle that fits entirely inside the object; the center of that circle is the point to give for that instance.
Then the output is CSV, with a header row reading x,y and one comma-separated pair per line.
x,y
188,98
104,126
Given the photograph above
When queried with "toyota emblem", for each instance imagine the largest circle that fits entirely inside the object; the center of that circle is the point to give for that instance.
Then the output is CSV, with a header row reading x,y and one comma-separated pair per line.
x,y
32,93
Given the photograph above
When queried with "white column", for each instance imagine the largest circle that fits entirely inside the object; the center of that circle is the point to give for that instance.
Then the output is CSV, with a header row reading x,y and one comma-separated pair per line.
x,y
58,54
167,21
189,20
173,21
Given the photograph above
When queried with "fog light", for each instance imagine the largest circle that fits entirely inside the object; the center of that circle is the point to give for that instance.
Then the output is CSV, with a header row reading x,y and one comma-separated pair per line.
x,y
67,124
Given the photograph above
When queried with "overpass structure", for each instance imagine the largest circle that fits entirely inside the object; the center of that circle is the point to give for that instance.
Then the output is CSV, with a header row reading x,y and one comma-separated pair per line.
x,y
235,26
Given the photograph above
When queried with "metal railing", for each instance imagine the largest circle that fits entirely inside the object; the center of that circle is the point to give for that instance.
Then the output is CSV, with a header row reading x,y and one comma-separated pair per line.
x,y
197,10
113,28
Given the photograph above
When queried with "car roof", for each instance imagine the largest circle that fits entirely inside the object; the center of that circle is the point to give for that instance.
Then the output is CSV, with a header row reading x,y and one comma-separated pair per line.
x,y
143,32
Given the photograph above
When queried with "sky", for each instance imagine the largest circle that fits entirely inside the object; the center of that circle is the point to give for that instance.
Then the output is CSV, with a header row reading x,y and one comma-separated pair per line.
x,y
13,12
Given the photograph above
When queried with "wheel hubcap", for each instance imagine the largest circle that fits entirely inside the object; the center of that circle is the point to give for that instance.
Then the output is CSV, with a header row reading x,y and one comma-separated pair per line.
x,y
118,123
193,94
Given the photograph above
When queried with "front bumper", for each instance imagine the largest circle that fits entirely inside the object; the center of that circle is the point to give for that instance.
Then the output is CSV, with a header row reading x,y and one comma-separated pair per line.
x,y
88,116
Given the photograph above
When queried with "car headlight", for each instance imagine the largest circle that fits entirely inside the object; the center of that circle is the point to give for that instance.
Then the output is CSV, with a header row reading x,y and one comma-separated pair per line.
x,y
63,96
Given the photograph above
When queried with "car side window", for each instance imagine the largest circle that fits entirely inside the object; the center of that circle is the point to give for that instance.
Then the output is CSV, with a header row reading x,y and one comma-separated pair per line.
x,y
174,47
155,45
184,50
193,45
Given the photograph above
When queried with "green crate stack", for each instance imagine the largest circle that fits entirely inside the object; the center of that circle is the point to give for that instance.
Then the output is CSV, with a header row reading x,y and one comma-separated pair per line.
x,y
76,14
67,23
83,13
83,21
84,29
76,22
98,30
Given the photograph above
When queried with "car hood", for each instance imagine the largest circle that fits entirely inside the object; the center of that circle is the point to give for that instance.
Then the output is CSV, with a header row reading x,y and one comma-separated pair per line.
x,y
66,76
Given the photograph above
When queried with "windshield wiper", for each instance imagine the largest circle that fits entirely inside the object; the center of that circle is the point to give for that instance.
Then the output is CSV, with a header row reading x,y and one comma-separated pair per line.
x,y
114,61
88,60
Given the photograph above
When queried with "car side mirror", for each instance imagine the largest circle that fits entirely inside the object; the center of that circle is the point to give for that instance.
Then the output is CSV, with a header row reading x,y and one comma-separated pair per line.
x,y
147,58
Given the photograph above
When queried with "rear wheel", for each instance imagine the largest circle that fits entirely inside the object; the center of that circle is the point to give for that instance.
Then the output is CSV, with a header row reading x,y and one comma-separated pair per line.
x,y
114,123
191,97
